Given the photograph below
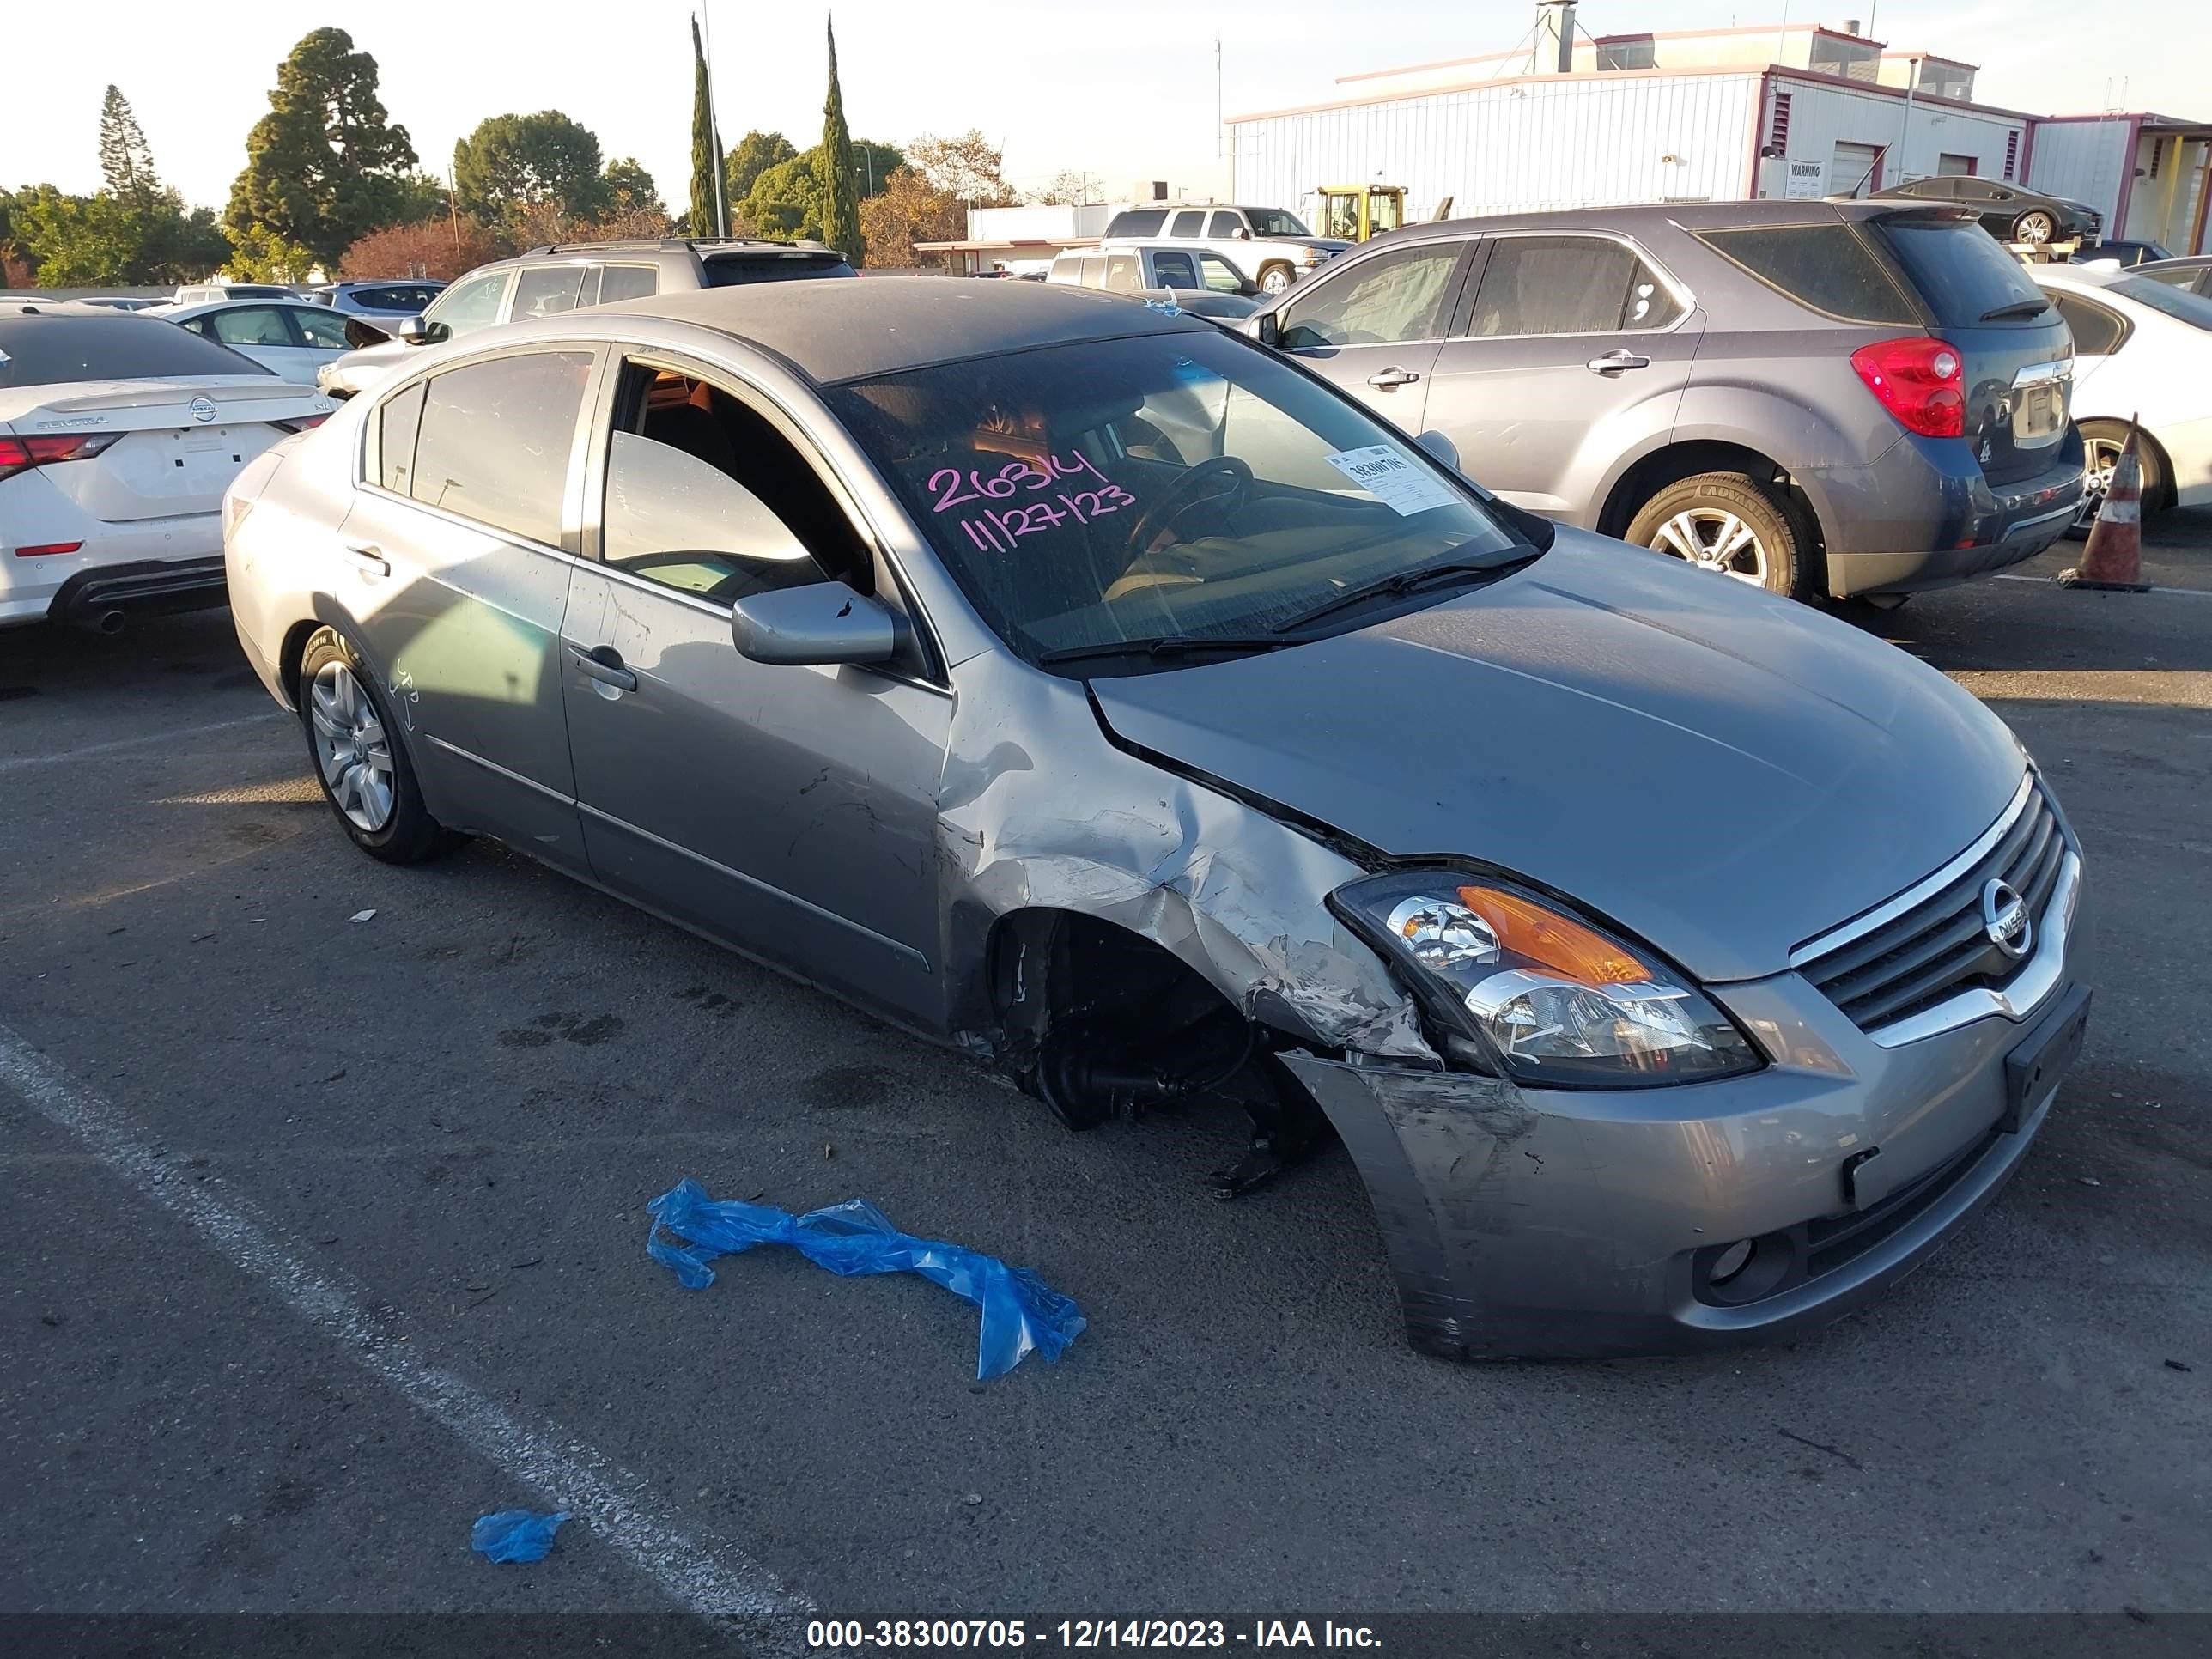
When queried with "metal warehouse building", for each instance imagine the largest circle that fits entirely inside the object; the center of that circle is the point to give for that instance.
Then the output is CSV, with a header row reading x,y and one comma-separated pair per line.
x,y
1799,109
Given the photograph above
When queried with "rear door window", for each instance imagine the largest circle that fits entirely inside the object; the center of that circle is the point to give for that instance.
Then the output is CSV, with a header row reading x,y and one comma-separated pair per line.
x,y
1543,285
1395,296
1824,267
1121,273
496,439
252,325
1960,271
545,291
2097,331
1141,221
1188,224
628,282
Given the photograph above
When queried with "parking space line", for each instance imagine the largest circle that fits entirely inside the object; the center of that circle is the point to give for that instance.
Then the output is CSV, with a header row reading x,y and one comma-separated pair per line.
x,y
721,1584
10,764
2049,581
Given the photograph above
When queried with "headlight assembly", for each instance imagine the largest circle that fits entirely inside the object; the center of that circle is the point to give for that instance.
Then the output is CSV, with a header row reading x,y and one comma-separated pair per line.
x,y
1544,996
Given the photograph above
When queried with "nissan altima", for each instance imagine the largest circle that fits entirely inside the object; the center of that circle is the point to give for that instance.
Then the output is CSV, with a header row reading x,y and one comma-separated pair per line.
x,y
1110,699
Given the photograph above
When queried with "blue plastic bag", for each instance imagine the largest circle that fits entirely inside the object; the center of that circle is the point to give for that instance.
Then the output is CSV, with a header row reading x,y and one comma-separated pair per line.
x,y
1021,1312
515,1534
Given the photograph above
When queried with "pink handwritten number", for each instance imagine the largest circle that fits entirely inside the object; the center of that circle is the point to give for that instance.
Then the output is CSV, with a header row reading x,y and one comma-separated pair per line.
x,y
997,530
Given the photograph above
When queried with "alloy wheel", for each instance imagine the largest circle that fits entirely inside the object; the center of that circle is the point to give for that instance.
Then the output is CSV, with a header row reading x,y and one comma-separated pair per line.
x,y
350,744
1713,539
1273,281
2101,458
2035,227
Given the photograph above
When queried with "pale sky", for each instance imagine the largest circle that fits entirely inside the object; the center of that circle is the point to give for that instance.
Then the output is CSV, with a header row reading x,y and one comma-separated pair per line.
x,y
1121,88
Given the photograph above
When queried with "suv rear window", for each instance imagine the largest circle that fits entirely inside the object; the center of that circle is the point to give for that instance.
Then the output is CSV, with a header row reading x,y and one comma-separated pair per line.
x,y
1825,268
1141,222
1962,273
734,269
53,350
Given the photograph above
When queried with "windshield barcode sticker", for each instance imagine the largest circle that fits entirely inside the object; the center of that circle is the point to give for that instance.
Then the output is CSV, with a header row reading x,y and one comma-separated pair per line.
x,y
1384,474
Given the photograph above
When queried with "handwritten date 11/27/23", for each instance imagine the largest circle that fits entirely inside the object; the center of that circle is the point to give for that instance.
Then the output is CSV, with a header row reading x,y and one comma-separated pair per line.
x,y
997,529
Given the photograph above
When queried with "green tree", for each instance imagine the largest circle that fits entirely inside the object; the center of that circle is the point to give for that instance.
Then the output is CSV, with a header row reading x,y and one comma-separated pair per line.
x,y
421,195
627,189
513,163
127,160
89,241
258,254
786,201
833,167
326,164
706,147
177,245
753,155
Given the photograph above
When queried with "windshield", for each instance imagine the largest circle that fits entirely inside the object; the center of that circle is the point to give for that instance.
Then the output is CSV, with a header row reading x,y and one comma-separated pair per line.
x,y
2192,309
1274,222
1163,486
53,351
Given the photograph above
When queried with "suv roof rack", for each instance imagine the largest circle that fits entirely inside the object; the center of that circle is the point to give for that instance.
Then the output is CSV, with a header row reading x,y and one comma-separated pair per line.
x,y
696,243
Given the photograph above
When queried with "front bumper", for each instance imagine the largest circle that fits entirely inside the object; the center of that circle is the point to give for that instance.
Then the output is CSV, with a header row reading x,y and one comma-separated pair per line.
x,y
1557,1224
1923,516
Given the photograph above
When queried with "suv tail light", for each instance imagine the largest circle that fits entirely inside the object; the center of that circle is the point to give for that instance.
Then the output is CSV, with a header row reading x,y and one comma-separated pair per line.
x,y
1918,381
21,454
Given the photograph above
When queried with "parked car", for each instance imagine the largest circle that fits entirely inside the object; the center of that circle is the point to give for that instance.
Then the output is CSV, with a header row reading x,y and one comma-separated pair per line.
x,y
2141,348
118,437
119,302
1824,398
292,337
549,280
1133,272
2120,255
1128,267
393,300
2009,212
200,294
1273,247
2192,271
1114,701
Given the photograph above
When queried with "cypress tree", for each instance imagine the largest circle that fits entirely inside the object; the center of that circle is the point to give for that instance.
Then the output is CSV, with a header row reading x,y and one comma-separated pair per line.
x,y
706,154
841,192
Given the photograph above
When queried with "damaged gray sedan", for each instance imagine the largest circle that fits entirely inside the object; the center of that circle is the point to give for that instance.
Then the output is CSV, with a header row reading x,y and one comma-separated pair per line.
x,y
1096,692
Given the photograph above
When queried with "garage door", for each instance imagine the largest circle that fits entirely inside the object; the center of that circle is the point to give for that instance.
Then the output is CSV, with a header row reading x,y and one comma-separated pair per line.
x,y
1851,170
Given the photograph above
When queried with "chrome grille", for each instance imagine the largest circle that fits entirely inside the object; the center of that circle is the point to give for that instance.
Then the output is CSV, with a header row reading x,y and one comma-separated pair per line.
x,y
1936,946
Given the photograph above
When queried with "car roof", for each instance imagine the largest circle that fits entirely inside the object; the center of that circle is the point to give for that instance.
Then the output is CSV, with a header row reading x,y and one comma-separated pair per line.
x,y
847,330
1690,215
202,308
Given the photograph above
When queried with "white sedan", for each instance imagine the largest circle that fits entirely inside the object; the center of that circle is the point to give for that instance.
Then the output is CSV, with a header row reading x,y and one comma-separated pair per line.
x,y
119,435
291,338
2141,347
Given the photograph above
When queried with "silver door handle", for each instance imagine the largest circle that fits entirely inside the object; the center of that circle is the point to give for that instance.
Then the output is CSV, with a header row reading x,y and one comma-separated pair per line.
x,y
1614,359
369,557
1390,380
606,673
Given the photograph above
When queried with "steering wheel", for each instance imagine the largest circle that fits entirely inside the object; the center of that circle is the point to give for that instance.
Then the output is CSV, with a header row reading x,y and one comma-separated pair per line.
x,y
1186,493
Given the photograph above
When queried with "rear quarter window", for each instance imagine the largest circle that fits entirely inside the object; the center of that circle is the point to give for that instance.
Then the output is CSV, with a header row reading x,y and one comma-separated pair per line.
x,y
1960,271
1141,222
1823,267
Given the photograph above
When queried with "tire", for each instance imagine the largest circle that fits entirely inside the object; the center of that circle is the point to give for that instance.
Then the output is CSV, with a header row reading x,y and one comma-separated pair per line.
x,y
359,759
1699,519
2035,226
1275,278
2101,445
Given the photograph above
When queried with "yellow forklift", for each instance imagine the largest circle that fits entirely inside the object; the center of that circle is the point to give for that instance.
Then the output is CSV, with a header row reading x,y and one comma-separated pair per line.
x,y
1357,212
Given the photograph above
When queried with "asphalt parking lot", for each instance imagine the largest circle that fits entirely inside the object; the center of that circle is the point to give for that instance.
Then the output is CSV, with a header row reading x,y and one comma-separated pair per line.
x,y
397,1273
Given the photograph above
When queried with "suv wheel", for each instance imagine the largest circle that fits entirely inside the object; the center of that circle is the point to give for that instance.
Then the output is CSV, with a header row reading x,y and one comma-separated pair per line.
x,y
2035,226
1274,278
1733,525
361,764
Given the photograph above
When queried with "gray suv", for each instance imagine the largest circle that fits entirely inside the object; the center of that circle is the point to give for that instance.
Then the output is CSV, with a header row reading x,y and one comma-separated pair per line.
x,y
549,280
1837,398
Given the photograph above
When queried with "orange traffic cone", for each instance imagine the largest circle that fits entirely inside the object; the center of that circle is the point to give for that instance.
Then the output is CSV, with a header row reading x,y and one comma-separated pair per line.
x,y
2113,559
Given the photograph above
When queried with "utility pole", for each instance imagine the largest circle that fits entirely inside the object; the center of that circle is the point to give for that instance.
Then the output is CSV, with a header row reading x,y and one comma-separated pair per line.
x,y
453,210
713,121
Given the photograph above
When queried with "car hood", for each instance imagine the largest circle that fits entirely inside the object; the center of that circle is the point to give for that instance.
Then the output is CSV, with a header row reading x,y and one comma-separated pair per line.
x,y
1721,773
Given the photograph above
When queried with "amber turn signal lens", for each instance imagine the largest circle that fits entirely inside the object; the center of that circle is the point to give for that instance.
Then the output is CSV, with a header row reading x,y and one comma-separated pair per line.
x,y
1543,936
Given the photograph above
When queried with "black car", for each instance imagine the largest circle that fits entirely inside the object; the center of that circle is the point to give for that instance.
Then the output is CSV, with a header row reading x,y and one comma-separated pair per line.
x,y
2193,273
2127,255
2011,213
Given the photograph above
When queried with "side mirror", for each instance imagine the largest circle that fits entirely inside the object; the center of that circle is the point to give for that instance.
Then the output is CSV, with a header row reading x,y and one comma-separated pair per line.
x,y
1264,329
1240,235
417,331
824,624
1440,447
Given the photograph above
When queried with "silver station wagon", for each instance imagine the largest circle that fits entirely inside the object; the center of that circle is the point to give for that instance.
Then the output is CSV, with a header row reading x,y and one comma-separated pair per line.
x,y
1113,700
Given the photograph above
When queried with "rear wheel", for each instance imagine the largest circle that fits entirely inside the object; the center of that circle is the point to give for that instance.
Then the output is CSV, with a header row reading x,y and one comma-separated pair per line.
x,y
1731,525
2035,226
361,764
1274,279
2101,443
